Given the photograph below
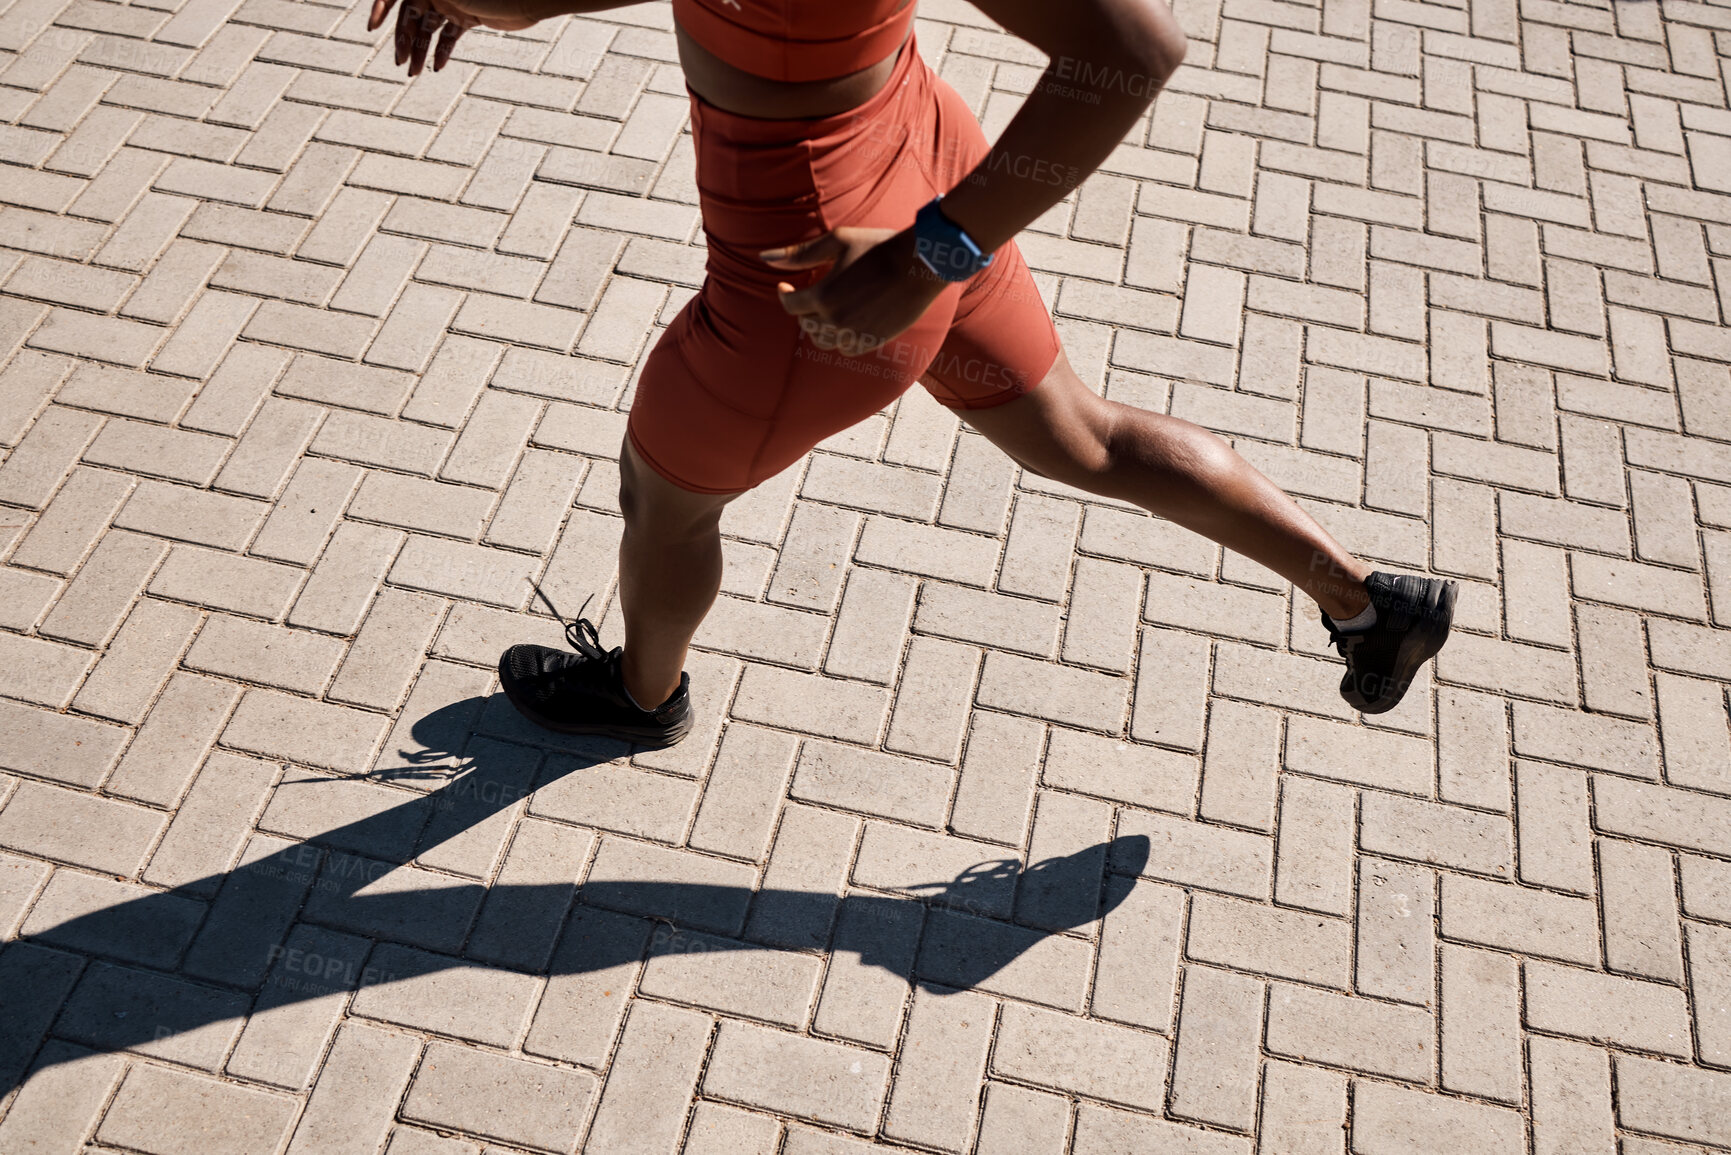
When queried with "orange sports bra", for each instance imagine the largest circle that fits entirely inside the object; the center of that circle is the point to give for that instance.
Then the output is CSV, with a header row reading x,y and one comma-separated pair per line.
x,y
797,40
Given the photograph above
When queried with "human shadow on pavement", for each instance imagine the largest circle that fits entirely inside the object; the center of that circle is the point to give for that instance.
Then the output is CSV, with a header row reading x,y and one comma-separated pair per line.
x,y
351,907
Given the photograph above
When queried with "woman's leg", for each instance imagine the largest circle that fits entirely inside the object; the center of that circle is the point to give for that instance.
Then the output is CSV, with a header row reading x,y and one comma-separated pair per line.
x,y
669,574
1063,430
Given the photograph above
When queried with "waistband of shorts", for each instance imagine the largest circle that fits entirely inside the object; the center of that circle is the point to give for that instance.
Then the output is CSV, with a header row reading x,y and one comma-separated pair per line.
x,y
720,125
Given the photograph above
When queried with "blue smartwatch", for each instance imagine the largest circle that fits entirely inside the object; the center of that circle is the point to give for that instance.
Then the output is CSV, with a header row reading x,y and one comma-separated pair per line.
x,y
944,247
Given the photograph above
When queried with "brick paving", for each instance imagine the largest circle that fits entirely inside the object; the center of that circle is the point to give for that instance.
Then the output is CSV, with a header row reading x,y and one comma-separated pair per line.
x,y
1015,821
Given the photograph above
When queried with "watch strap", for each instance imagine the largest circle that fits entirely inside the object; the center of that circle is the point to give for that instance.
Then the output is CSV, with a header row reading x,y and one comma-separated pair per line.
x,y
944,247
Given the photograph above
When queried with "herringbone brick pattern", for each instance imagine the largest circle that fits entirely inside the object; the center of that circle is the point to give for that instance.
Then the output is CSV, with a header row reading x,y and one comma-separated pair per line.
x,y
1017,821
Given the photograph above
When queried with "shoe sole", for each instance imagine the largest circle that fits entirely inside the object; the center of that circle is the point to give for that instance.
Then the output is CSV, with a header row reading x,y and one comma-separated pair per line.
x,y
647,737
1424,640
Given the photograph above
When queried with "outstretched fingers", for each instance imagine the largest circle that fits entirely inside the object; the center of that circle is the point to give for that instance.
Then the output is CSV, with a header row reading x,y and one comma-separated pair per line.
x,y
447,41
417,22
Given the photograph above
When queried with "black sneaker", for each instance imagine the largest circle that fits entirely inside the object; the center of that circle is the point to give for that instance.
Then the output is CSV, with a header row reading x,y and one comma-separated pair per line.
x,y
584,693
1412,622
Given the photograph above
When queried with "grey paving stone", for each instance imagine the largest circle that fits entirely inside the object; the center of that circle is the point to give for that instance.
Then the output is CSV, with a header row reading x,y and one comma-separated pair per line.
x,y
358,1091
1396,931
225,1117
653,1075
471,816
718,1130
24,596
398,903
253,910
223,581
774,1071
1015,1119
866,640
1497,914
113,919
1343,1031
935,1101
278,725
210,828
447,996
312,973
1270,940
1059,694
591,974
730,976
743,794
1213,857
63,747
73,521
619,798
492,576
869,783
833,708
180,513
43,457
385,655
139,659
40,671
117,1008
1304,1108
521,914
176,733
996,793
83,829
254,652
37,982
496,1097
961,951
1571,1096
67,1091
1388,1118
1606,1008
691,889
20,879
1096,1059
866,984
347,814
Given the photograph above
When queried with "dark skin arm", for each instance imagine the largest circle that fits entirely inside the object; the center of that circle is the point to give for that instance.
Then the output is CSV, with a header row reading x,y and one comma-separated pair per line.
x,y
419,21
1109,58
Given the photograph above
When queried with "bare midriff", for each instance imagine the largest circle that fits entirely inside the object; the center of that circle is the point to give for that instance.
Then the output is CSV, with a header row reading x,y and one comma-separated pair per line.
x,y
728,88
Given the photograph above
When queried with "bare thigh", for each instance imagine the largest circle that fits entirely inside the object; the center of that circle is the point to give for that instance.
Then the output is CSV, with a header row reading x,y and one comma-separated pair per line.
x,y
1060,429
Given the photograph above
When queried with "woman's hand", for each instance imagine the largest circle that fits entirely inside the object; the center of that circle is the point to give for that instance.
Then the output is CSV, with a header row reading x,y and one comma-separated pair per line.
x,y
876,290
419,20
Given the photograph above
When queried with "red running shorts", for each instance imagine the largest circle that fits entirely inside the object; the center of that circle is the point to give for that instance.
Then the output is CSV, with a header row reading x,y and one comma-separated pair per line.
x,y
734,392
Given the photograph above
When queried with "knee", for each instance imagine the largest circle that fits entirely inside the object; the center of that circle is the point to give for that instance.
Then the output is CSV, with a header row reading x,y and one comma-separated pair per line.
x,y
1171,447
651,513
1093,447
1074,452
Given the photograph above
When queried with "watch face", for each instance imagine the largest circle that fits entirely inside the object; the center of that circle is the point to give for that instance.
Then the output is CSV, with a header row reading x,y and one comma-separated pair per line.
x,y
947,257
945,248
